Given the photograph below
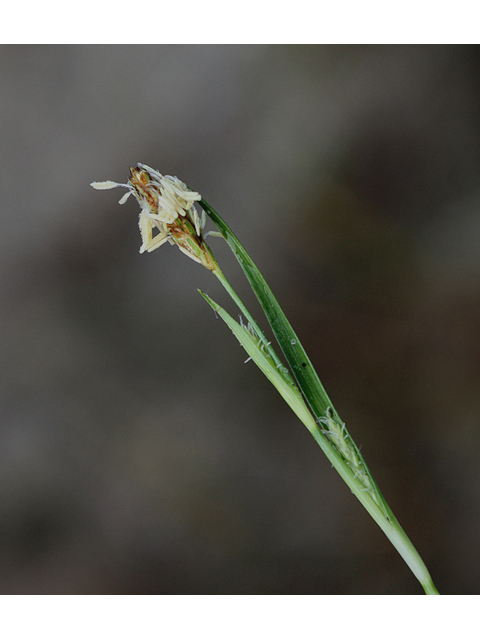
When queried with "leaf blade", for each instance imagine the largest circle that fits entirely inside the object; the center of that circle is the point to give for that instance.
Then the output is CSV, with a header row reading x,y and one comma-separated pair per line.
x,y
298,360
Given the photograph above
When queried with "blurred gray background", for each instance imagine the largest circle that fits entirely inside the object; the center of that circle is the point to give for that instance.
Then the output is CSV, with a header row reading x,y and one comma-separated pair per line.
x,y
138,453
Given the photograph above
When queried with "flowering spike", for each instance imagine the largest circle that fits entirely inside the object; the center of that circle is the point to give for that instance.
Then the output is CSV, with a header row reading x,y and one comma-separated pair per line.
x,y
166,204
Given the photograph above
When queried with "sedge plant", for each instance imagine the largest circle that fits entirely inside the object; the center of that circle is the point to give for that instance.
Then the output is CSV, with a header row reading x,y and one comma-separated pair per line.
x,y
168,214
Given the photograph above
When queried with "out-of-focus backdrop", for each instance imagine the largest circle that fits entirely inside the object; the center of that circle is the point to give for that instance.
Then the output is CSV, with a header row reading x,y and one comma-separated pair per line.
x,y
138,453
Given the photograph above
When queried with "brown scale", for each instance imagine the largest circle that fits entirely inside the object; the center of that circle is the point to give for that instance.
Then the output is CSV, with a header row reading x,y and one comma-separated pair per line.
x,y
140,181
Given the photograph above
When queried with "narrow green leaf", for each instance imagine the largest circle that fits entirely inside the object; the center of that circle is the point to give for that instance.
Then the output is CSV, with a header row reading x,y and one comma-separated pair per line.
x,y
254,346
299,362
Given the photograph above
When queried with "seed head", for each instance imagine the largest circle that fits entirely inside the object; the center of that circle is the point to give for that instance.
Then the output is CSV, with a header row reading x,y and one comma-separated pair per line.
x,y
167,212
